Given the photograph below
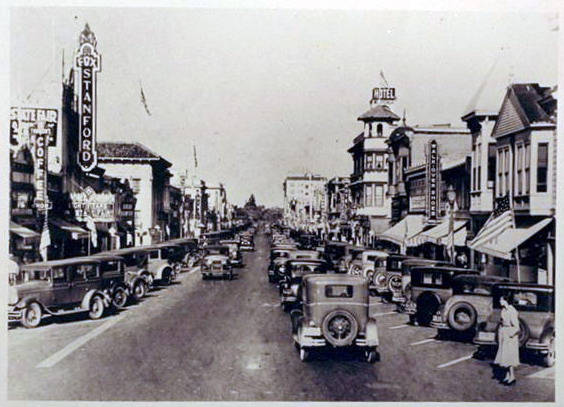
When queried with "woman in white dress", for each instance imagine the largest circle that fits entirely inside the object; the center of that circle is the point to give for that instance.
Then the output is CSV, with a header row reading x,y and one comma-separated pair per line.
x,y
507,356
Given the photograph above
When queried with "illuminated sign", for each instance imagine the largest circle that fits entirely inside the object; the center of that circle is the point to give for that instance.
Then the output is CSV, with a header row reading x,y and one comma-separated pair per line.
x,y
87,64
383,95
433,181
40,134
22,119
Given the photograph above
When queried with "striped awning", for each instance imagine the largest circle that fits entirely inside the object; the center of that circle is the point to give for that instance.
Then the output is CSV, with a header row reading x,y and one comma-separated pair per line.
x,y
404,230
502,246
439,234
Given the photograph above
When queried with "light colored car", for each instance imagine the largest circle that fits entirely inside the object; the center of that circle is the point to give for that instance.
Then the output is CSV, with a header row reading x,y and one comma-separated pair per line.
x,y
234,252
334,313
216,263
368,263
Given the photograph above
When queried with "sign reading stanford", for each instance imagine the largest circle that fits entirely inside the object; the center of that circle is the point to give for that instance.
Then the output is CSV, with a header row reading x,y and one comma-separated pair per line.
x,y
87,64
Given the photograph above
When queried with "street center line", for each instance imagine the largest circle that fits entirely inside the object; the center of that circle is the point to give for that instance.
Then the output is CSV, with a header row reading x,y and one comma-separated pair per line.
x,y
455,361
399,326
77,343
423,341
384,313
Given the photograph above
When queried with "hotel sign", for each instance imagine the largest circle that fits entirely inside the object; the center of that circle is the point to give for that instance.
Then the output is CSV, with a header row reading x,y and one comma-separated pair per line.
x,y
433,181
384,95
87,63
40,135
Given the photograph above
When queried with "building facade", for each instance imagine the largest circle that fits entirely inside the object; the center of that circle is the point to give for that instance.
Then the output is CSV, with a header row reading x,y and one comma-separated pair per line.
x,y
304,200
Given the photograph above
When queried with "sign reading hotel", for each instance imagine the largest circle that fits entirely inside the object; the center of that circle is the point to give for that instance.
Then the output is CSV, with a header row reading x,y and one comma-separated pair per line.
x,y
40,134
384,95
87,63
22,119
433,181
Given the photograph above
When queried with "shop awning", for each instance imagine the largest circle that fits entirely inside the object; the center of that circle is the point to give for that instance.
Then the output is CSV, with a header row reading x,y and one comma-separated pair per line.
x,y
439,234
22,231
503,245
76,231
405,229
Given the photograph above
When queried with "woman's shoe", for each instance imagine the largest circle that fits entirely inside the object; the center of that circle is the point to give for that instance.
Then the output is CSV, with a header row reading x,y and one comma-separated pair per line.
x,y
511,383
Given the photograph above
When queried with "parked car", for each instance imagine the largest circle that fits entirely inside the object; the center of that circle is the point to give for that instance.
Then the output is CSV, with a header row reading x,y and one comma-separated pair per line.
x,y
281,267
334,313
216,263
387,281
470,304
59,287
247,243
296,270
335,255
278,254
164,261
234,252
137,277
431,286
535,305
402,296
367,263
190,246
308,241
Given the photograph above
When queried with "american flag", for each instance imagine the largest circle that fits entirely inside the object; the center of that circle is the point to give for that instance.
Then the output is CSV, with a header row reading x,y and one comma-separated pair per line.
x,y
501,219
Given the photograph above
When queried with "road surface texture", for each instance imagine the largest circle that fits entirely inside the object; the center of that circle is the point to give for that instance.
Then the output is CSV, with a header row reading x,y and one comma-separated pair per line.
x,y
230,341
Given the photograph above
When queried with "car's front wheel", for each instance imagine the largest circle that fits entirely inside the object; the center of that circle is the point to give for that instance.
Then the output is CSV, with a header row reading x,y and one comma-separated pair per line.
x,y
167,277
120,298
96,309
31,316
139,290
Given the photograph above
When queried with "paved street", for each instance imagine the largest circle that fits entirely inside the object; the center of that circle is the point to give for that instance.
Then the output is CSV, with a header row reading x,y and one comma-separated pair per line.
x,y
230,340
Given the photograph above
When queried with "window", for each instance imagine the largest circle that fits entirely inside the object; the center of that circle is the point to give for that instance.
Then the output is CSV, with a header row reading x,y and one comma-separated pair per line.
x,y
368,200
86,271
379,161
59,275
109,266
21,177
379,130
506,162
154,254
135,185
21,200
391,173
519,165
527,168
369,161
341,291
542,167
499,172
491,163
379,195
479,167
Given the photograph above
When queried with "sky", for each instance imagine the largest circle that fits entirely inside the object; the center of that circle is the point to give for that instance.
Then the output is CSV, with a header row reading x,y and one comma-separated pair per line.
x,y
266,93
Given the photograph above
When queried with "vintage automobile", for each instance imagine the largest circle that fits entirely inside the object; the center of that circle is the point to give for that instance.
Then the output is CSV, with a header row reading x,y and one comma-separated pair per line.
x,y
281,268
190,246
335,254
216,263
401,296
296,270
387,280
234,252
367,262
308,241
278,254
163,261
535,305
431,286
60,287
334,313
470,304
247,242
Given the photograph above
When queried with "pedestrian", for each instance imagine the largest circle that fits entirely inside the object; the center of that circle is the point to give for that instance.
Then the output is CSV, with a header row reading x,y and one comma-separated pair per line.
x,y
462,260
507,357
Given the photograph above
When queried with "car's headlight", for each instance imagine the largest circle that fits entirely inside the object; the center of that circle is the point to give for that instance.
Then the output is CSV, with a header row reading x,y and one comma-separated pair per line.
x,y
380,279
13,296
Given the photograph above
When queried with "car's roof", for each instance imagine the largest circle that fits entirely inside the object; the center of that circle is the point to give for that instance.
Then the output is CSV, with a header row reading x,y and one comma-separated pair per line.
x,y
226,241
376,252
183,240
524,286
422,261
445,269
97,258
284,247
216,246
165,244
314,261
324,279
476,279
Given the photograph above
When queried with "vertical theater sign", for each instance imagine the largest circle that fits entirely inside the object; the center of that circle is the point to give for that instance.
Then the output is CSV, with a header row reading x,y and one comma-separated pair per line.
x,y
433,182
87,64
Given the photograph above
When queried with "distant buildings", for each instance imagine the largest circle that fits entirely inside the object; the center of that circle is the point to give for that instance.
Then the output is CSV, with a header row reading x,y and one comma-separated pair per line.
x,y
304,199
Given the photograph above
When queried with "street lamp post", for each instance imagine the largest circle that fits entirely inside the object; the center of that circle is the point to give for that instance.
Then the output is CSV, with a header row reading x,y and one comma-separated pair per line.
x,y
451,195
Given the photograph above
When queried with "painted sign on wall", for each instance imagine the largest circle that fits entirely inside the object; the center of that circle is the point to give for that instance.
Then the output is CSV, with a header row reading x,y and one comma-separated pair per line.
x,y
433,181
87,64
89,204
22,119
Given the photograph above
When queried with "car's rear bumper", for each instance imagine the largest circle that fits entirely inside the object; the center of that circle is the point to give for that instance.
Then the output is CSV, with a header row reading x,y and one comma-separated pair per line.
x,y
439,325
410,308
537,346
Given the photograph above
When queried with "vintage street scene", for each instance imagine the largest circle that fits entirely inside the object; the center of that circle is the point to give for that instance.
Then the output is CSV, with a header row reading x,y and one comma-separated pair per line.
x,y
281,205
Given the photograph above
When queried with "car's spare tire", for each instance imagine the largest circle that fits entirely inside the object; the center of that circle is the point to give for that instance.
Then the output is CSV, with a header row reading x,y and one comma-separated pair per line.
x,y
339,328
462,317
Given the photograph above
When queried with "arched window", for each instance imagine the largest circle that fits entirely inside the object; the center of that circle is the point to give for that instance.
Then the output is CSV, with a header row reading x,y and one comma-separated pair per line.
x,y
379,130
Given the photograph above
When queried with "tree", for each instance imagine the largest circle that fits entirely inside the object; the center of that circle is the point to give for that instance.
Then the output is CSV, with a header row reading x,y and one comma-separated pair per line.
x,y
251,203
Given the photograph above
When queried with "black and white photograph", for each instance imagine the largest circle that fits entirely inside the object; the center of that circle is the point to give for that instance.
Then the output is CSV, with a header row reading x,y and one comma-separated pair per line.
x,y
267,202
